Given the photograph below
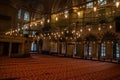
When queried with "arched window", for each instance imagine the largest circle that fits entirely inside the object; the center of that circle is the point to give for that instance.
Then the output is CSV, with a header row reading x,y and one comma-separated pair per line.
x,y
25,27
75,50
103,50
34,33
89,49
26,16
102,2
89,5
115,0
117,50
33,47
19,13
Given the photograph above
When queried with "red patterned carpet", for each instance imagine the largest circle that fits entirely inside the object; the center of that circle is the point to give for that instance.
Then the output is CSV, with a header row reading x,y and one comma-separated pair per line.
x,y
43,67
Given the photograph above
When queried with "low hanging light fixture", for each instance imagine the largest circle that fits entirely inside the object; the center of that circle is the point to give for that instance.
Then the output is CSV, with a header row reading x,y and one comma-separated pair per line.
x,y
41,22
78,13
117,4
95,9
66,13
81,30
48,21
22,28
35,24
18,29
30,25
89,29
99,28
110,26
56,18
66,16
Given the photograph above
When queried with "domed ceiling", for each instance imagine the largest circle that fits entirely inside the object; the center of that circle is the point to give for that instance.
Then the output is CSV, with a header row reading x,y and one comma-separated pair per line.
x,y
45,6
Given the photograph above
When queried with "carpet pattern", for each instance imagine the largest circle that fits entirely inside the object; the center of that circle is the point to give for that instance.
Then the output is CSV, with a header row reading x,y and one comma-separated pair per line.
x,y
44,67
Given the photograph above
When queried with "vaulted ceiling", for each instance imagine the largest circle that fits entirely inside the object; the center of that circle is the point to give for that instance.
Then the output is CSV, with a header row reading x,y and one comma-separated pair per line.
x,y
45,6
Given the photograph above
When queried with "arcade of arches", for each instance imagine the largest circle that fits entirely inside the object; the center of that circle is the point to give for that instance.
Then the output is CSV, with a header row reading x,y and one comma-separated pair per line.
x,y
89,29
59,39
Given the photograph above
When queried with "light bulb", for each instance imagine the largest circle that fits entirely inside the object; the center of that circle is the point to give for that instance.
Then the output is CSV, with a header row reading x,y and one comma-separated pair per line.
x,y
66,16
117,4
89,29
41,22
48,21
95,9
99,28
110,26
78,13
56,18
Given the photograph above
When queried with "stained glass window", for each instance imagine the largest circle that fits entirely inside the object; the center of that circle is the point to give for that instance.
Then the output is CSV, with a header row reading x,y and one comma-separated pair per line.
x,y
25,27
103,49
33,47
89,5
102,2
90,49
19,13
26,16
117,50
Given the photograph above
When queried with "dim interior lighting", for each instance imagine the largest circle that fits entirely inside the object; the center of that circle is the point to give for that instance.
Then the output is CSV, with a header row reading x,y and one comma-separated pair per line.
x,y
48,21
30,25
81,30
89,29
99,28
95,9
56,19
35,24
66,16
79,35
18,29
78,13
26,27
110,27
41,22
20,34
62,33
73,31
67,31
117,4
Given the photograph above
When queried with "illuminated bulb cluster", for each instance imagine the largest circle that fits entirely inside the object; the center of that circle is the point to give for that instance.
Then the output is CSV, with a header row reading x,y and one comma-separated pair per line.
x,y
95,9
78,13
117,4
56,19
11,32
69,35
